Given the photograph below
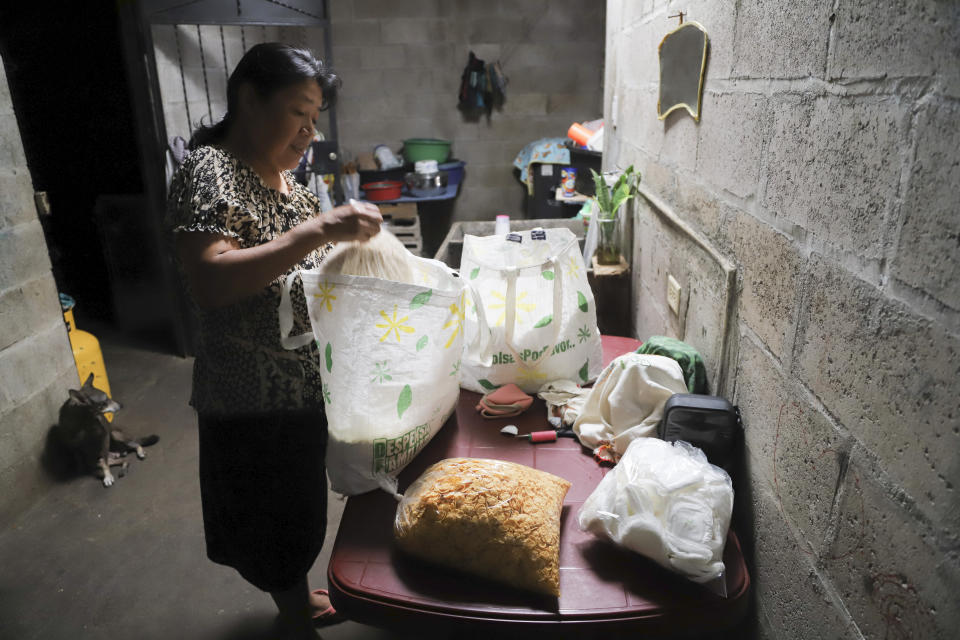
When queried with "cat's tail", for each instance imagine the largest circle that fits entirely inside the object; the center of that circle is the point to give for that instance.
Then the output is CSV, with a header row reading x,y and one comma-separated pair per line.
x,y
148,441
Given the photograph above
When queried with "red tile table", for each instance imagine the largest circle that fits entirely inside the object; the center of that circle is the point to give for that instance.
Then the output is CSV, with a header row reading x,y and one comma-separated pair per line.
x,y
604,589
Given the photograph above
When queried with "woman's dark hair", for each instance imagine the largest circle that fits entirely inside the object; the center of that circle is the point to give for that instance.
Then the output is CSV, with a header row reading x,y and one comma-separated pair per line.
x,y
269,67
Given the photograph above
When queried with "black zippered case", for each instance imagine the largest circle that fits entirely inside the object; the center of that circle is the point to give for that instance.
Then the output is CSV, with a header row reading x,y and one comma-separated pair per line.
x,y
709,423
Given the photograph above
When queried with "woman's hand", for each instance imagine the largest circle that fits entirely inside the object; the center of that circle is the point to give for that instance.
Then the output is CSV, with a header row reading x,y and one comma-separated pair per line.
x,y
221,273
354,221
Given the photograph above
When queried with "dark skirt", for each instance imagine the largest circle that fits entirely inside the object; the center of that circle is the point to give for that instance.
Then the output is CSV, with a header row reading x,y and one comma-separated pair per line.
x,y
263,487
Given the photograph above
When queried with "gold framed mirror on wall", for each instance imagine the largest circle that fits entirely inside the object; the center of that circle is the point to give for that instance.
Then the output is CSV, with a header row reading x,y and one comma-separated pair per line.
x,y
683,61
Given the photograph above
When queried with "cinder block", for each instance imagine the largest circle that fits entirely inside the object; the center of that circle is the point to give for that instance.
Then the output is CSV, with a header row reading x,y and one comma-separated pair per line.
x,y
432,56
413,30
489,29
357,33
16,198
565,22
895,579
390,9
636,119
421,104
493,175
526,104
707,213
341,11
890,378
407,81
772,275
536,55
789,591
781,40
576,106
833,167
926,255
30,364
23,432
23,254
636,51
28,305
488,152
6,101
677,138
351,108
794,451
11,145
543,80
908,38
361,84
732,135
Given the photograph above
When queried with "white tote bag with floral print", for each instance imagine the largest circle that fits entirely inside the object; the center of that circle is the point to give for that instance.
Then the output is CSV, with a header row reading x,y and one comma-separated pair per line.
x,y
532,317
391,359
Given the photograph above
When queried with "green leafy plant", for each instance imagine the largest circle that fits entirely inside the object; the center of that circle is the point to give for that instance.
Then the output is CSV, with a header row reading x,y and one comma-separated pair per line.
x,y
609,199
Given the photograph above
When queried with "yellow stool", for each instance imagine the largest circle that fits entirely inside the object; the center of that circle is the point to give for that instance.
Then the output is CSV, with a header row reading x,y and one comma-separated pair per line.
x,y
86,351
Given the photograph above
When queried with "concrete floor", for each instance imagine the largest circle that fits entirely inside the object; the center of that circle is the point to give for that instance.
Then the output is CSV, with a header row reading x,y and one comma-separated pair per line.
x,y
129,561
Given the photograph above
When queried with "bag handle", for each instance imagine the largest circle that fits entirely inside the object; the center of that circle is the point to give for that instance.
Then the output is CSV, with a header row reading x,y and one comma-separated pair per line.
x,y
285,311
511,312
483,329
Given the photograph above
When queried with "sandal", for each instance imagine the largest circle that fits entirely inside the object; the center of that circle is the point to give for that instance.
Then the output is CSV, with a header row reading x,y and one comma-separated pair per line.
x,y
329,615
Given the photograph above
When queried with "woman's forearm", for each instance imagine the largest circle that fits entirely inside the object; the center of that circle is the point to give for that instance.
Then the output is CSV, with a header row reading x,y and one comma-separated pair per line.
x,y
221,273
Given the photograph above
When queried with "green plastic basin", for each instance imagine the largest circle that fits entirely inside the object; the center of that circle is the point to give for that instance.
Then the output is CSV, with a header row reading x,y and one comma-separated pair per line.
x,y
417,149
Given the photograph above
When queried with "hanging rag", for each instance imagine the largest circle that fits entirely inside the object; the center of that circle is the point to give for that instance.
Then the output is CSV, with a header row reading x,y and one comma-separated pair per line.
x,y
505,402
473,94
694,371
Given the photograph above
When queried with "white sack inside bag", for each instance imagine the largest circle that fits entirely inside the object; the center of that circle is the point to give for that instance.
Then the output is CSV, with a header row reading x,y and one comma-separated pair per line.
x,y
390,354
627,401
532,316
667,503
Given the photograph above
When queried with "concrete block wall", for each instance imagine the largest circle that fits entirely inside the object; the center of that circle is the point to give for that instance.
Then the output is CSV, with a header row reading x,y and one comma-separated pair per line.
x,y
36,362
401,64
825,167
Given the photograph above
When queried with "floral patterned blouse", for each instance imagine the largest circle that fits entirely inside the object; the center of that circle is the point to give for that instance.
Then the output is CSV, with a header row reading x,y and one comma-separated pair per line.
x,y
240,366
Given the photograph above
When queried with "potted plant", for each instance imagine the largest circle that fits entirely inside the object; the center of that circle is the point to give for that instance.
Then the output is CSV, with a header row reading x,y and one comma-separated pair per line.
x,y
609,200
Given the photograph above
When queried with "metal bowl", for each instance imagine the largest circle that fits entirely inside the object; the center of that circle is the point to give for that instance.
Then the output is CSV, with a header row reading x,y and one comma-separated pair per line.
x,y
426,184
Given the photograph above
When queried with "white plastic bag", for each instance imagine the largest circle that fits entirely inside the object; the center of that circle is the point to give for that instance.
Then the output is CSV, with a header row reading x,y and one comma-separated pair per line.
x,y
532,316
666,502
391,356
627,401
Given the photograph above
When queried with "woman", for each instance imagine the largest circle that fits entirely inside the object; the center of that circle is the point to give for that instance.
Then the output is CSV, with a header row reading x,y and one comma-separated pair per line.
x,y
241,223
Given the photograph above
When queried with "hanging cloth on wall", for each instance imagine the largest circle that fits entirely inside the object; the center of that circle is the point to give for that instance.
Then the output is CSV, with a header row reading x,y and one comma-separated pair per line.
x,y
482,86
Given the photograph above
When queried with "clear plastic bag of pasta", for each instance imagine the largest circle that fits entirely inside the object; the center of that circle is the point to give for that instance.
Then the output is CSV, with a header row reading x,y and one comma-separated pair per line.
x,y
492,518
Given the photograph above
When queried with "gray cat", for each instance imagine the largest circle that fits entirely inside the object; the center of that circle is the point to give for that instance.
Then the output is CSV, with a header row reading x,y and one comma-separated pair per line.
x,y
96,444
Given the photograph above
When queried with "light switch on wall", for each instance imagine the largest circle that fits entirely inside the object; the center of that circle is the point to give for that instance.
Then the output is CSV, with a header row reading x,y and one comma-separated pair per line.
x,y
673,294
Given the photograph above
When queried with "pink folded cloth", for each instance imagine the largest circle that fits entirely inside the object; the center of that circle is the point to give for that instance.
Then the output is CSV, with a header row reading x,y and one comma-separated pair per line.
x,y
509,400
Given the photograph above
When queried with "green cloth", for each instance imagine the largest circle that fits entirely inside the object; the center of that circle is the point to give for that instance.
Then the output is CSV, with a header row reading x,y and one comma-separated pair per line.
x,y
694,372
